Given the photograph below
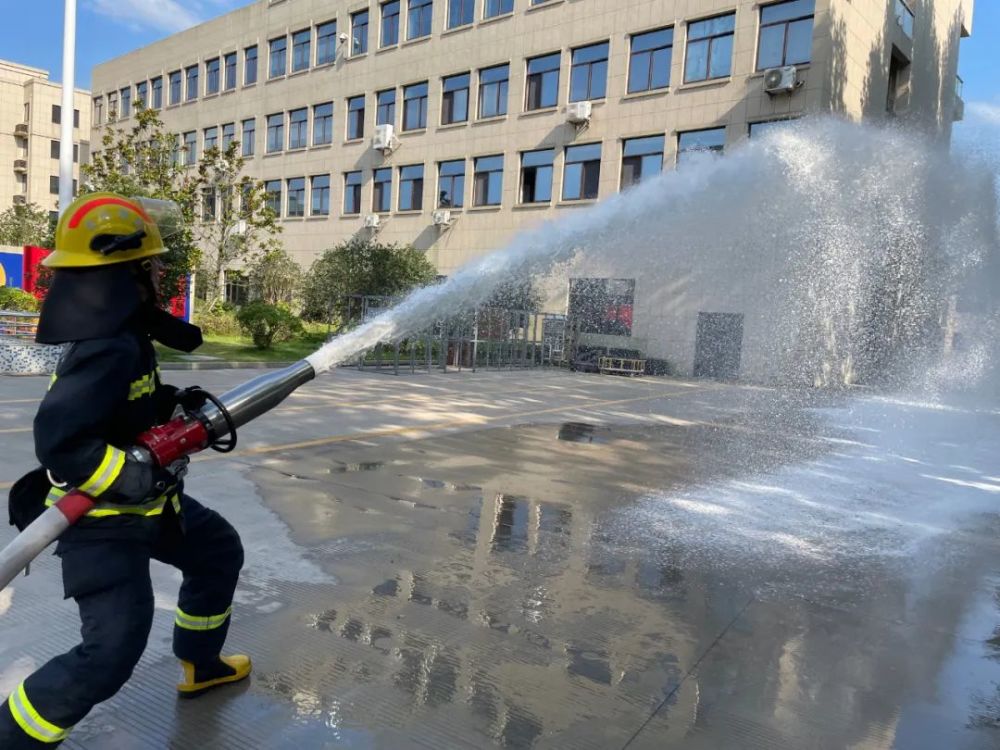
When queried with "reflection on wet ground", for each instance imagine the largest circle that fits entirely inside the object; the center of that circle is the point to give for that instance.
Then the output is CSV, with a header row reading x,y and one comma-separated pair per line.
x,y
491,595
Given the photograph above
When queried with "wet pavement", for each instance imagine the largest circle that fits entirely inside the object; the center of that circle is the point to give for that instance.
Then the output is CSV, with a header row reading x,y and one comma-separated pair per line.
x,y
560,561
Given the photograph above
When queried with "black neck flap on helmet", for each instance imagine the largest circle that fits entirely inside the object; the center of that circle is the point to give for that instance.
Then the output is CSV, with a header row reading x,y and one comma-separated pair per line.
x,y
94,303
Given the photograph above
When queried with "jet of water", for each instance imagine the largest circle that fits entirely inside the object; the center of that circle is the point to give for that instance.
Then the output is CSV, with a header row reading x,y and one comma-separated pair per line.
x,y
843,246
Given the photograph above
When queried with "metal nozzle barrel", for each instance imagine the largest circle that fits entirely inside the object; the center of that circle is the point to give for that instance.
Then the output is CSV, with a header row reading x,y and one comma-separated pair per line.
x,y
261,394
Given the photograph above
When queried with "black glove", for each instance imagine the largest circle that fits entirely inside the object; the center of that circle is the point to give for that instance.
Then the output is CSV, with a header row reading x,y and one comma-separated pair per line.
x,y
141,482
191,399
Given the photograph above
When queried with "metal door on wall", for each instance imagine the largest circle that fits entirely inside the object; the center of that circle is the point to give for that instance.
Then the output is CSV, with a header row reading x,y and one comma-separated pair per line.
x,y
718,345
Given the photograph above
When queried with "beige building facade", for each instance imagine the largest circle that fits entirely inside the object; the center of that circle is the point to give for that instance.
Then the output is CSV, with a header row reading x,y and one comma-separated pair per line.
x,y
30,117
505,113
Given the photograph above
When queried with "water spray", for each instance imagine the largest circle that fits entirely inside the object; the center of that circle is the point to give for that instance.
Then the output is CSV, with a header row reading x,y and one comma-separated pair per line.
x,y
214,425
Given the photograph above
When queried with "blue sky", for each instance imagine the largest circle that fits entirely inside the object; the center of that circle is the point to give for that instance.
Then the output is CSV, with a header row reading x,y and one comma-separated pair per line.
x,y
33,30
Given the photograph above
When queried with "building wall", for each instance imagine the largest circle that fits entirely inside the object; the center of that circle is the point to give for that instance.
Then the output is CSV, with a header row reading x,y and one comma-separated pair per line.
x,y
27,97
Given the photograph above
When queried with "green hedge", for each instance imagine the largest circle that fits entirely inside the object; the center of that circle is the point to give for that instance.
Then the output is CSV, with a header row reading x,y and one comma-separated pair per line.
x,y
17,300
268,324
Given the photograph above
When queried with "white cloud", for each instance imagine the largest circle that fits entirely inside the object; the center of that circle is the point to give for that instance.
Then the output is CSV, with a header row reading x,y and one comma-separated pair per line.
x,y
162,15
985,111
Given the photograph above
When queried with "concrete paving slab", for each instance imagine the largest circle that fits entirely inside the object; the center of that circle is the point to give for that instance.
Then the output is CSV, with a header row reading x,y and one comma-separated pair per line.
x,y
547,560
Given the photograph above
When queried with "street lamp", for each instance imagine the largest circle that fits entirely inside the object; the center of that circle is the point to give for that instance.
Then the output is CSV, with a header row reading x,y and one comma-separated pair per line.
x,y
68,87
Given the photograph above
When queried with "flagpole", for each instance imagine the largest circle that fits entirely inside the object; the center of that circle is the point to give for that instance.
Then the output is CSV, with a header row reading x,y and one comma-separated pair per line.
x,y
68,88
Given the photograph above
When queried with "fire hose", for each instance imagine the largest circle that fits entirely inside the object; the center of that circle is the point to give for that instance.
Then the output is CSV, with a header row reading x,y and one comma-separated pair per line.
x,y
213,425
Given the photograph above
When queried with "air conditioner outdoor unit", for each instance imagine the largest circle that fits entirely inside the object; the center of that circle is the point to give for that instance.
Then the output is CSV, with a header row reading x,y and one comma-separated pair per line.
x,y
21,130
373,221
20,200
20,165
578,113
781,80
442,218
385,138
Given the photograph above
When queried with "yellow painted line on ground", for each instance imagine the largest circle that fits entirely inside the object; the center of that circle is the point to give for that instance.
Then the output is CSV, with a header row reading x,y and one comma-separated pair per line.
x,y
9,430
6,485
22,401
435,426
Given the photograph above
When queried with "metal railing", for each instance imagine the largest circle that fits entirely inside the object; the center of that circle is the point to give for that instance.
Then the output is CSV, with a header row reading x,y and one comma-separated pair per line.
x,y
22,325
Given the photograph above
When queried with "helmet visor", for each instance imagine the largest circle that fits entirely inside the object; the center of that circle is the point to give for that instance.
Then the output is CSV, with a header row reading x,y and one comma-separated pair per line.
x,y
165,214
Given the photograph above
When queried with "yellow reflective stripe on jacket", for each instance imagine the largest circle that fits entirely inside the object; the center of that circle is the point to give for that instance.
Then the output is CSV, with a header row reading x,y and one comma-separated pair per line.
x,y
104,510
52,381
107,472
193,622
144,386
31,721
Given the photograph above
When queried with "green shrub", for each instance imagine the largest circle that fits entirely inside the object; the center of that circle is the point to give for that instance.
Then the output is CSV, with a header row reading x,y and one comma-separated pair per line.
x,y
17,300
218,322
268,324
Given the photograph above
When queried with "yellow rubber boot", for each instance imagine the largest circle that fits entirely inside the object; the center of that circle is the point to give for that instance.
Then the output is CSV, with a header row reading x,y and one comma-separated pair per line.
x,y
200,679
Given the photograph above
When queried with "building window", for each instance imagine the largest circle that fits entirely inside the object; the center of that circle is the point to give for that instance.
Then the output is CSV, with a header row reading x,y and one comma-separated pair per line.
x,y
319,203
250,65
359,33
536,176
385,111
76,124
493,85
757,129
56,114
418,21
54,184
142,95
192,83
710,141
602,306
390,23
98,110
498,8
326,43
323,124
237,288
589,74
451,184
582,173
461,12
228,135
249,136
415,106
411,188
356,118
710,48
301,50
278,57
488,181
126,98
157,101
212,76
904,17
175,87
382,190
112,105
190,148
649,64
230,71
785,34
296,197
298,128
208,204
543,81
352,193
642,158
455,99
211,138
272,196
54,149
275,132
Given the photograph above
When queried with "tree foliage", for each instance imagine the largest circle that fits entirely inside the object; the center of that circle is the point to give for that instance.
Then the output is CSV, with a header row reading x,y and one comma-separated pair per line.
x,y
144,159
237,226
268,324
274,277
26,225
362,267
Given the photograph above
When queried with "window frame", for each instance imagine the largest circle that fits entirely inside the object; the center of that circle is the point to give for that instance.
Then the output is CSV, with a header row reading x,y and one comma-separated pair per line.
x,y
275,71
585,165
175,81
589,65
448,97
416,188
298,125
383,19
711,40
353,190
711,149
248,144
479,200
423,12
641,158
275,132
326,40
389,107
502,92
301,203
359,44
213,69
499,12
651,54
326,129
156,86
230,70
312,194
787,23
462,6
251,62
358,114
274,203
453,179
190,79
536,169
301,50
540,76
422,104
380,194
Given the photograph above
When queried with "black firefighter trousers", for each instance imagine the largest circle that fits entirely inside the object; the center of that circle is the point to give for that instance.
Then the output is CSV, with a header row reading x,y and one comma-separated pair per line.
x,y
110,582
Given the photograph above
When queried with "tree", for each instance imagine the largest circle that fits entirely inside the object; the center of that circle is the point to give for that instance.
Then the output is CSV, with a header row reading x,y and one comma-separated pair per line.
x,y
362,267
145,161
237,225
274,277
25,225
